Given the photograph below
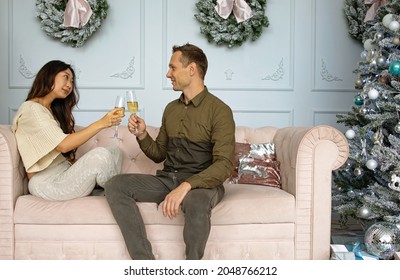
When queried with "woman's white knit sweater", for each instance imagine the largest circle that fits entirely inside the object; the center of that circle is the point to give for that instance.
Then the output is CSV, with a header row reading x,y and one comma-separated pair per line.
x,y
38,134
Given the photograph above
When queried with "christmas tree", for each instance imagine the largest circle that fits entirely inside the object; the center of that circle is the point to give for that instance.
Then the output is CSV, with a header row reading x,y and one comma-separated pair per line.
x,y
367,187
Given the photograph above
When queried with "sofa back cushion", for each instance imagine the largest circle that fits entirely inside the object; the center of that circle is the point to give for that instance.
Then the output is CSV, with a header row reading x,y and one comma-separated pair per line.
x,y
134,160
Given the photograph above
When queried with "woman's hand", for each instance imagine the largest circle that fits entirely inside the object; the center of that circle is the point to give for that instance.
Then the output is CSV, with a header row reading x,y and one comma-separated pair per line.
x,y
74,140
112,118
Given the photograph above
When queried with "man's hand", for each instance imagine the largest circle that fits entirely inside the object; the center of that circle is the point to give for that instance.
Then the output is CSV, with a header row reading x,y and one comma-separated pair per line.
x,y
174,199
137,126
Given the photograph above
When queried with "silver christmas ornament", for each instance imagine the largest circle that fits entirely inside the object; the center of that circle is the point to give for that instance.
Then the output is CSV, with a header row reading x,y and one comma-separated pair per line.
x,y
371,164
358,171
364,55
397,128
351,193
394,25
378,36
381,61
383,240
363,110
364,212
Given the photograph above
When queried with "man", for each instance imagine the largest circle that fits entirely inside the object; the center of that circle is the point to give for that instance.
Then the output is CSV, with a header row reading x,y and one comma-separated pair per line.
x,y
196,142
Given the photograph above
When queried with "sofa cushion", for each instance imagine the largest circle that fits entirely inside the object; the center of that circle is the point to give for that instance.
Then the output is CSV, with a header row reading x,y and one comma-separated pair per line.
x,y
241,205
256,164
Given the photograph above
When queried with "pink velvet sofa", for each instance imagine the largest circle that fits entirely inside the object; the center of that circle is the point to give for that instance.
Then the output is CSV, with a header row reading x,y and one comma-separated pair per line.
x,y
252,221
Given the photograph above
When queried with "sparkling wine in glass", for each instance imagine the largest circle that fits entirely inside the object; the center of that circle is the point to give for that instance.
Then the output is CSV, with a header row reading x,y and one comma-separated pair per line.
x,y
131,102
119,103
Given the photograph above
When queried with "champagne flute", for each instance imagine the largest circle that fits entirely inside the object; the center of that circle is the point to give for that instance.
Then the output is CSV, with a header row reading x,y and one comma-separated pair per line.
x,y
131,102
119,103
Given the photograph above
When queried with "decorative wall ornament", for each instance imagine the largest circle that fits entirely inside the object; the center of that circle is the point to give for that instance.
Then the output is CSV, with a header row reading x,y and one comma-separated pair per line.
x,y
229,73
326,75
88,20
28,74
23,69
239,25
278,74
128,72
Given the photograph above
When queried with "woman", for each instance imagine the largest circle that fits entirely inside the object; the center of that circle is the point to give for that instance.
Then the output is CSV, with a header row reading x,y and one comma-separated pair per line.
x,y
47,141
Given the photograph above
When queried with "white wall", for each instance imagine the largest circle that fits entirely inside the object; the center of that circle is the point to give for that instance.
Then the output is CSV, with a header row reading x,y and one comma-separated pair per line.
x,y
306,42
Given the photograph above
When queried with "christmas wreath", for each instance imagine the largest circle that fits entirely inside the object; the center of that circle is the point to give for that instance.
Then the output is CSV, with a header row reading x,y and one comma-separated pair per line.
x,y
51,15
355,11
230,30
360,15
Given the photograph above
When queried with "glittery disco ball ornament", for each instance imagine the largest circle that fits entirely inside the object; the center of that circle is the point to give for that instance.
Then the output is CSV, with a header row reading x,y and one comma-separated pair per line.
x,y
383,240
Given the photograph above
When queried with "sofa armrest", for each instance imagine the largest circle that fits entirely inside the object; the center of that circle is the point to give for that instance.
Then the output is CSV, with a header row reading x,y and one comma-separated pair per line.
x,y
13,183
308,155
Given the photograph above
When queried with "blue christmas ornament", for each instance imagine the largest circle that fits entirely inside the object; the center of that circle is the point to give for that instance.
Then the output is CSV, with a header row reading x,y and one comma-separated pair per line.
x,y
394,67
358,100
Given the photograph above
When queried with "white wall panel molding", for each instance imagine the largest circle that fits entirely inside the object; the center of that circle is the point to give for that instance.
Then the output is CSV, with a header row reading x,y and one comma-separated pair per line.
x,y
333,50
328,117
113,58
11,114
254,66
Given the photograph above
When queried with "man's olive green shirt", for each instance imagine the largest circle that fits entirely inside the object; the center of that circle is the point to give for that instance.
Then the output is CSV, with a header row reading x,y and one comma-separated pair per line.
x,y
196,140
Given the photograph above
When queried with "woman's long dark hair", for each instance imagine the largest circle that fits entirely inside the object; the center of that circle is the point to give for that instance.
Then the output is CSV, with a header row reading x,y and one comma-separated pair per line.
x,y
62,108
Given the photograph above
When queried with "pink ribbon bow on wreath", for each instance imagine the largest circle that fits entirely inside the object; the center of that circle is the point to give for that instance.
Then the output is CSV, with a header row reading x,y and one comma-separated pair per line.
x,y
77,13
241,9
375,4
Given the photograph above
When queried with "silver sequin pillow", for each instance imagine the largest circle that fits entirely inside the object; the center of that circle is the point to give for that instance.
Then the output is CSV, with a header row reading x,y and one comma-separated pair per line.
x,y
256,164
